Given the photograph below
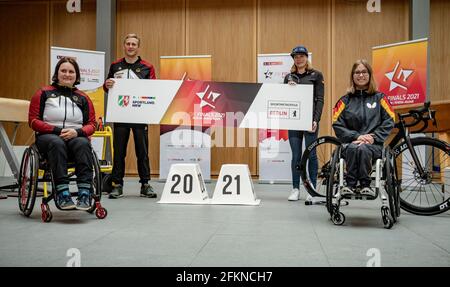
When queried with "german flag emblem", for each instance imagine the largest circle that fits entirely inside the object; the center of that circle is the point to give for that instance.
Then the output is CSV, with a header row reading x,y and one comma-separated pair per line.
x,y
337,110
388,108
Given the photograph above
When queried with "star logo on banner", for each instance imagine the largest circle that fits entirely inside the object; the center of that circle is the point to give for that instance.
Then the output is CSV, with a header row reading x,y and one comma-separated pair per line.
x,y
268,74
395,78
207,99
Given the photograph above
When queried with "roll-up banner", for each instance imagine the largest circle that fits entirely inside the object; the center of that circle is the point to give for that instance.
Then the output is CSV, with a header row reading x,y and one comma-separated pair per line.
x,y
92,70
92,75
401,71
185,144
273,145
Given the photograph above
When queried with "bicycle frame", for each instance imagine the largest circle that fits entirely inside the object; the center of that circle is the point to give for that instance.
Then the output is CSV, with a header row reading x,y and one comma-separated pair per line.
x,y
403,135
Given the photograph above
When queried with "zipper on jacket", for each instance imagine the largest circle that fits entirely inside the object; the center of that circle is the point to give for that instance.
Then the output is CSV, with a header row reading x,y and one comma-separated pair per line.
x,y
65,112
363,100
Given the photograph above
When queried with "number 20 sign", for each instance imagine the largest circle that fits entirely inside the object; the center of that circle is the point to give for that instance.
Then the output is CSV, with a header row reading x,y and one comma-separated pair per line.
x,y
185,185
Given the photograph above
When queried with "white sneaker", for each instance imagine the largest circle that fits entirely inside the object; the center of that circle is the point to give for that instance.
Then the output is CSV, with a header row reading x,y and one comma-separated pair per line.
x,y
367,191
310,200
295,195
346,191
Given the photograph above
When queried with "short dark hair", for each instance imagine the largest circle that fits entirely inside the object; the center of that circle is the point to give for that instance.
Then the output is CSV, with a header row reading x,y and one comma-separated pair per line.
x,y
74,64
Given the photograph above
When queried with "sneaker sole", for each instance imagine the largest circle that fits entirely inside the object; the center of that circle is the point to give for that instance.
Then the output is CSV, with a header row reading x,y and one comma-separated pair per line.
x,y
293,199
115,197
70,207
149,196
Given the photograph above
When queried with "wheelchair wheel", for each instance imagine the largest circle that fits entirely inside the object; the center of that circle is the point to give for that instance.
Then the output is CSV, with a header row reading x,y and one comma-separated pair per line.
x,y
96,183
397,191
106,183
391,185
322,148
28,179
387,217
338,218
332,180
46,214
429,193
101,213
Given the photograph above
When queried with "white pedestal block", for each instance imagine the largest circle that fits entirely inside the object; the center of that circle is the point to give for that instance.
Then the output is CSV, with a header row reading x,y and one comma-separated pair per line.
x,y
234,186
185,185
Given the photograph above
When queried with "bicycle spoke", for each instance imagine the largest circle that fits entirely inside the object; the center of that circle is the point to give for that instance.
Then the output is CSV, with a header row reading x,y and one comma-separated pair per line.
x,y
411,190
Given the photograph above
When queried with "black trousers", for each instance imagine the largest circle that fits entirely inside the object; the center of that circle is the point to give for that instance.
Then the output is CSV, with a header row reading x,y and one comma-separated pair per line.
x,y
121,137
58,152
359,161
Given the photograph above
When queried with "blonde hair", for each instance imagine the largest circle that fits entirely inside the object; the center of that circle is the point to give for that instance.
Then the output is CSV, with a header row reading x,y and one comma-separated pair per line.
x,y
309,67
372,85
132,35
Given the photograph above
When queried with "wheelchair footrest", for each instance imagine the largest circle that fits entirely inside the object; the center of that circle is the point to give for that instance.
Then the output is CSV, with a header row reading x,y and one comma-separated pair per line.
x,y
359,197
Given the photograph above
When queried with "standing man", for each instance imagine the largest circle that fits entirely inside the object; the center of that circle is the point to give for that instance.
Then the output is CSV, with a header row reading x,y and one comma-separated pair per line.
x,y
130,67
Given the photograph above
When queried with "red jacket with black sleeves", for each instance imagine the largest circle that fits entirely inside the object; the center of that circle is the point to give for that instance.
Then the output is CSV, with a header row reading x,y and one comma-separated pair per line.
x,y
53,108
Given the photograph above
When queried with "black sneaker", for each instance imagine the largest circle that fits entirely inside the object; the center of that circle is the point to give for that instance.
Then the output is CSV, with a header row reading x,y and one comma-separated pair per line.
x,y
147,191
65,201
117,191
83,202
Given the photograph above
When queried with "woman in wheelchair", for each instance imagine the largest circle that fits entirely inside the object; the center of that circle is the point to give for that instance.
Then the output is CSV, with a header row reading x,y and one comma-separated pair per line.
x,y
63,118
362,120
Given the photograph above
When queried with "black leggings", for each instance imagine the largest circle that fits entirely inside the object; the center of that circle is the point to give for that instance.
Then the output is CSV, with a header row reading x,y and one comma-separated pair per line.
x,y
359,162
58,152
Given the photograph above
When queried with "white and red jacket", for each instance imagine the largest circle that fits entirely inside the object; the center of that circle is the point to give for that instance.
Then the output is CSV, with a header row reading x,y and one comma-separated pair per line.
x,y
55,107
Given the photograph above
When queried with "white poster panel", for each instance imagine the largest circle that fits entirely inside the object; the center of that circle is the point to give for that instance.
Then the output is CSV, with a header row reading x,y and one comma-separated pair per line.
x,y
181,144
280,106
275,159
273,145
272,68
184,145
275,106
274,149
92,72
139,100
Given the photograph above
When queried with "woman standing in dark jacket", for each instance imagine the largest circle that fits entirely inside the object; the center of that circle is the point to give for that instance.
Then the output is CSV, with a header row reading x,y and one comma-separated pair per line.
x,y
362,120
303,73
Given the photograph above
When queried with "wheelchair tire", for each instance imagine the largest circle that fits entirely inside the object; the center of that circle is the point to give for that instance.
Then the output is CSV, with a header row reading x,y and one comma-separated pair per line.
x,y
47,216
391,185
107,183
332,180
429,195
322,147
28,180
96,183
338,218
397,189
388,219
101,213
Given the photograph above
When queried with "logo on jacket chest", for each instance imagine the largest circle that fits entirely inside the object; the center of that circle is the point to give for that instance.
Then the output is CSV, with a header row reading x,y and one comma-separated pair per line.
x,y
372,106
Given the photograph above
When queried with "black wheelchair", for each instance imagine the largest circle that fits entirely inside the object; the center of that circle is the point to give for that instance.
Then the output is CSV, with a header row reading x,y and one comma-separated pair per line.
x,y
385,185
34,169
